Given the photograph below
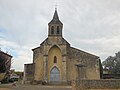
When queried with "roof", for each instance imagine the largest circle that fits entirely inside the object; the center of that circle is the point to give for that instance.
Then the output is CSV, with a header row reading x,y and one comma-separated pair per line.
x,y
55,19
1,52
35,48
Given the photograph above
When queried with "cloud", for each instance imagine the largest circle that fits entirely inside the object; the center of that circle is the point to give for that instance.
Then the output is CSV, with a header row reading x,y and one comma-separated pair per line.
x,y
90,25
21,54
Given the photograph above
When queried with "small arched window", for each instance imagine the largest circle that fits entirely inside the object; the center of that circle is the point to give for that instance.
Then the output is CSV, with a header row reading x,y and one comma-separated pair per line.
x,y
55,59
52,30
58,30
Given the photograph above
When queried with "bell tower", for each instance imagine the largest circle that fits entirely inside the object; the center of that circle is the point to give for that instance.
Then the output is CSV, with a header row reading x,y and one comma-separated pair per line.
x,y
55,26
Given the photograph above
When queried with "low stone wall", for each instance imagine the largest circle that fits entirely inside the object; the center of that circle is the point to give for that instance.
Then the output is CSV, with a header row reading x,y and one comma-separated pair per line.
x,y
101,84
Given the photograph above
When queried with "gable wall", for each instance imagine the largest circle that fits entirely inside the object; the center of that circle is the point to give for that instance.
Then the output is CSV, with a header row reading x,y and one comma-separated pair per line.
x,y
91,69
38,59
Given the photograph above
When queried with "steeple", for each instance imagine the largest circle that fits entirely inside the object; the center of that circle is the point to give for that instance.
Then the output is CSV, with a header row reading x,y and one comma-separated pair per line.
x,y
55,25
55,19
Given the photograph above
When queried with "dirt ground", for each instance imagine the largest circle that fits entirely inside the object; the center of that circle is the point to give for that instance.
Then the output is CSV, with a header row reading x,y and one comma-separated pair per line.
x,y
33,87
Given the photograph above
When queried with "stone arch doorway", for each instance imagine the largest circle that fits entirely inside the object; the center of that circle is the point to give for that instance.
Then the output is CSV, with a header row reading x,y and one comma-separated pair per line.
x,y
54,75
54,64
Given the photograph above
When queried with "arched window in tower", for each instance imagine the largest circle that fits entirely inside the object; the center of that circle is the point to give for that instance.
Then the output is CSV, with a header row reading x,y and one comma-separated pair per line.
x,y
58,31
55,59
52,30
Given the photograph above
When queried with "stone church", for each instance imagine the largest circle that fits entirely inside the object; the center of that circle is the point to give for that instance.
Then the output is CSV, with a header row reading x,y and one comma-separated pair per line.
x,y
56,61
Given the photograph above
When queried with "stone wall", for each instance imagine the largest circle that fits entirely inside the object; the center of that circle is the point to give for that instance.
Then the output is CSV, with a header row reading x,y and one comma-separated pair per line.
x,y
91,69
39,68
101,84
28,73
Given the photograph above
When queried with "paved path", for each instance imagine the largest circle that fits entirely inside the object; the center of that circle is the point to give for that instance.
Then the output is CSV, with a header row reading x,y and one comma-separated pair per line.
x,y
34,87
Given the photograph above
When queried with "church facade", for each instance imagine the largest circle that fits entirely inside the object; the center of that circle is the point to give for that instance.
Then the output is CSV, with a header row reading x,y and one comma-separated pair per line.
x,y
56,61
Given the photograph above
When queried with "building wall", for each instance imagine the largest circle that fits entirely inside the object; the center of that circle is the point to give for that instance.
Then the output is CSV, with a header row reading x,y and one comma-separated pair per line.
x,y
5,62
28,72
45,54
67,59
91,69
39,65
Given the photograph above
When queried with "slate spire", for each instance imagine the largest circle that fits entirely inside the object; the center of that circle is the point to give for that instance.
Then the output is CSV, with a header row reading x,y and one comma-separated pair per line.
x,y
55,19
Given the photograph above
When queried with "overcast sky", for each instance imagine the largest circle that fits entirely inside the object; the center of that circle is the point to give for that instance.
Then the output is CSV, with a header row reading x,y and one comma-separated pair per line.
x,y
89,25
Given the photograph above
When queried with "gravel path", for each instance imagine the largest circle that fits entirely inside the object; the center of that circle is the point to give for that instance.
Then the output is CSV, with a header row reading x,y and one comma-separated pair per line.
x,y
33,87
